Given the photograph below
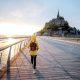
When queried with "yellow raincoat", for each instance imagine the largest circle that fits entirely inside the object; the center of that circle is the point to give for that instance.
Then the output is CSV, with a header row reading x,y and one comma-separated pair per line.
x,y
33,38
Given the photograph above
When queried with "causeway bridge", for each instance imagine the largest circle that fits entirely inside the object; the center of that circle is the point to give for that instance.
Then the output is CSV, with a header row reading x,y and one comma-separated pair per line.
x,y
56,60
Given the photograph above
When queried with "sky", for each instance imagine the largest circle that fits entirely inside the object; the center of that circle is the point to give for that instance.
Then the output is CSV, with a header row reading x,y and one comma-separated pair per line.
x,y
24,17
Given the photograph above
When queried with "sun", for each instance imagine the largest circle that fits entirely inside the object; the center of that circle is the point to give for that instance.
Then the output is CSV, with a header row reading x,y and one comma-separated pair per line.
x,y
10,29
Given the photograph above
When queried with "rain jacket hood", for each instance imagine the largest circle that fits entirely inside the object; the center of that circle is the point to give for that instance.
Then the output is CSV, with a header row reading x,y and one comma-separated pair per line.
x,y
33,37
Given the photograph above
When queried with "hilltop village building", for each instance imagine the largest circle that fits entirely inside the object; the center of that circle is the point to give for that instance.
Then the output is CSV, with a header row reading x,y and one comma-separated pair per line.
x,y
63,27
59,21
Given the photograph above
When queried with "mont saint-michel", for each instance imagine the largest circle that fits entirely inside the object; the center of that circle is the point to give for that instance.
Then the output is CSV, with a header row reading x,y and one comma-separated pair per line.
x,y
59,27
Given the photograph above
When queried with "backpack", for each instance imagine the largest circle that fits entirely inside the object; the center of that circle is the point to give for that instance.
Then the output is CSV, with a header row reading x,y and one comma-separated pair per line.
x,y
33,46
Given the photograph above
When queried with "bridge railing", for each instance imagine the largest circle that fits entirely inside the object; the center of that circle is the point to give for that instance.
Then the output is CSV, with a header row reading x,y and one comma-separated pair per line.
x,y
9,53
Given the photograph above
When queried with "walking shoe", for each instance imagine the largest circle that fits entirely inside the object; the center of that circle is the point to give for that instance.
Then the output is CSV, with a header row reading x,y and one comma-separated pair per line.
x,y
34,71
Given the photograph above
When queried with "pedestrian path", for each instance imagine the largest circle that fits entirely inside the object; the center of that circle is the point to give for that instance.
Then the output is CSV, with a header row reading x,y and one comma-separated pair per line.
x,y
49,66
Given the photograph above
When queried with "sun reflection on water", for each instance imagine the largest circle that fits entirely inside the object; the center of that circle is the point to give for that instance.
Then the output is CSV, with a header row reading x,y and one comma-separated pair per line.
x,y
10,41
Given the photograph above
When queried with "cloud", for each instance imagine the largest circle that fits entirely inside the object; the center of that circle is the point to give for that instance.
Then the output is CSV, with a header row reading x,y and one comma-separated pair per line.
x,y
29,12
17,14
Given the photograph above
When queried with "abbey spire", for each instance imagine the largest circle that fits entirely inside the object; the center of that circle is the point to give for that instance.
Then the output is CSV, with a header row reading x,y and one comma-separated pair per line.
x,y
58,14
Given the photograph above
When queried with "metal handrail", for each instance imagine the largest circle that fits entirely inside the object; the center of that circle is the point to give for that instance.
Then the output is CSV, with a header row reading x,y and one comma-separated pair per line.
x,y
5,47
11,47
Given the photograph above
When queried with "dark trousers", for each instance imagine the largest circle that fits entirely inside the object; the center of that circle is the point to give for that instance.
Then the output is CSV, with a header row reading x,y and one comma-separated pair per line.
x,y
33,61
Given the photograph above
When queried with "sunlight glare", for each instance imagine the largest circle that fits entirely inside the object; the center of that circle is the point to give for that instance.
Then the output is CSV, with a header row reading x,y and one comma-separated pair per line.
x,y
10,40
17,29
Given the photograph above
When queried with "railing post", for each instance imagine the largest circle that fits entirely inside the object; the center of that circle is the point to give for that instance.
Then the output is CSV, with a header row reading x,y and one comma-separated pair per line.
x,y
24,43
20,45
0,60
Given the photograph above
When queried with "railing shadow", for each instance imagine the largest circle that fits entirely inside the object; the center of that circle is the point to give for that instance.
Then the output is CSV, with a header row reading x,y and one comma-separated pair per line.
x,y
25,56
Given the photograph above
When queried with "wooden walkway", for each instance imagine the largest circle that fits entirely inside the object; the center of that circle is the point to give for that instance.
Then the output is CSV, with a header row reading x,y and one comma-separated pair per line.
x,y
21,68
49,66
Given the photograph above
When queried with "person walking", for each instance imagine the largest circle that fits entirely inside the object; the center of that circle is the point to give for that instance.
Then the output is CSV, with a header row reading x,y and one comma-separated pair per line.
x,y
33,46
